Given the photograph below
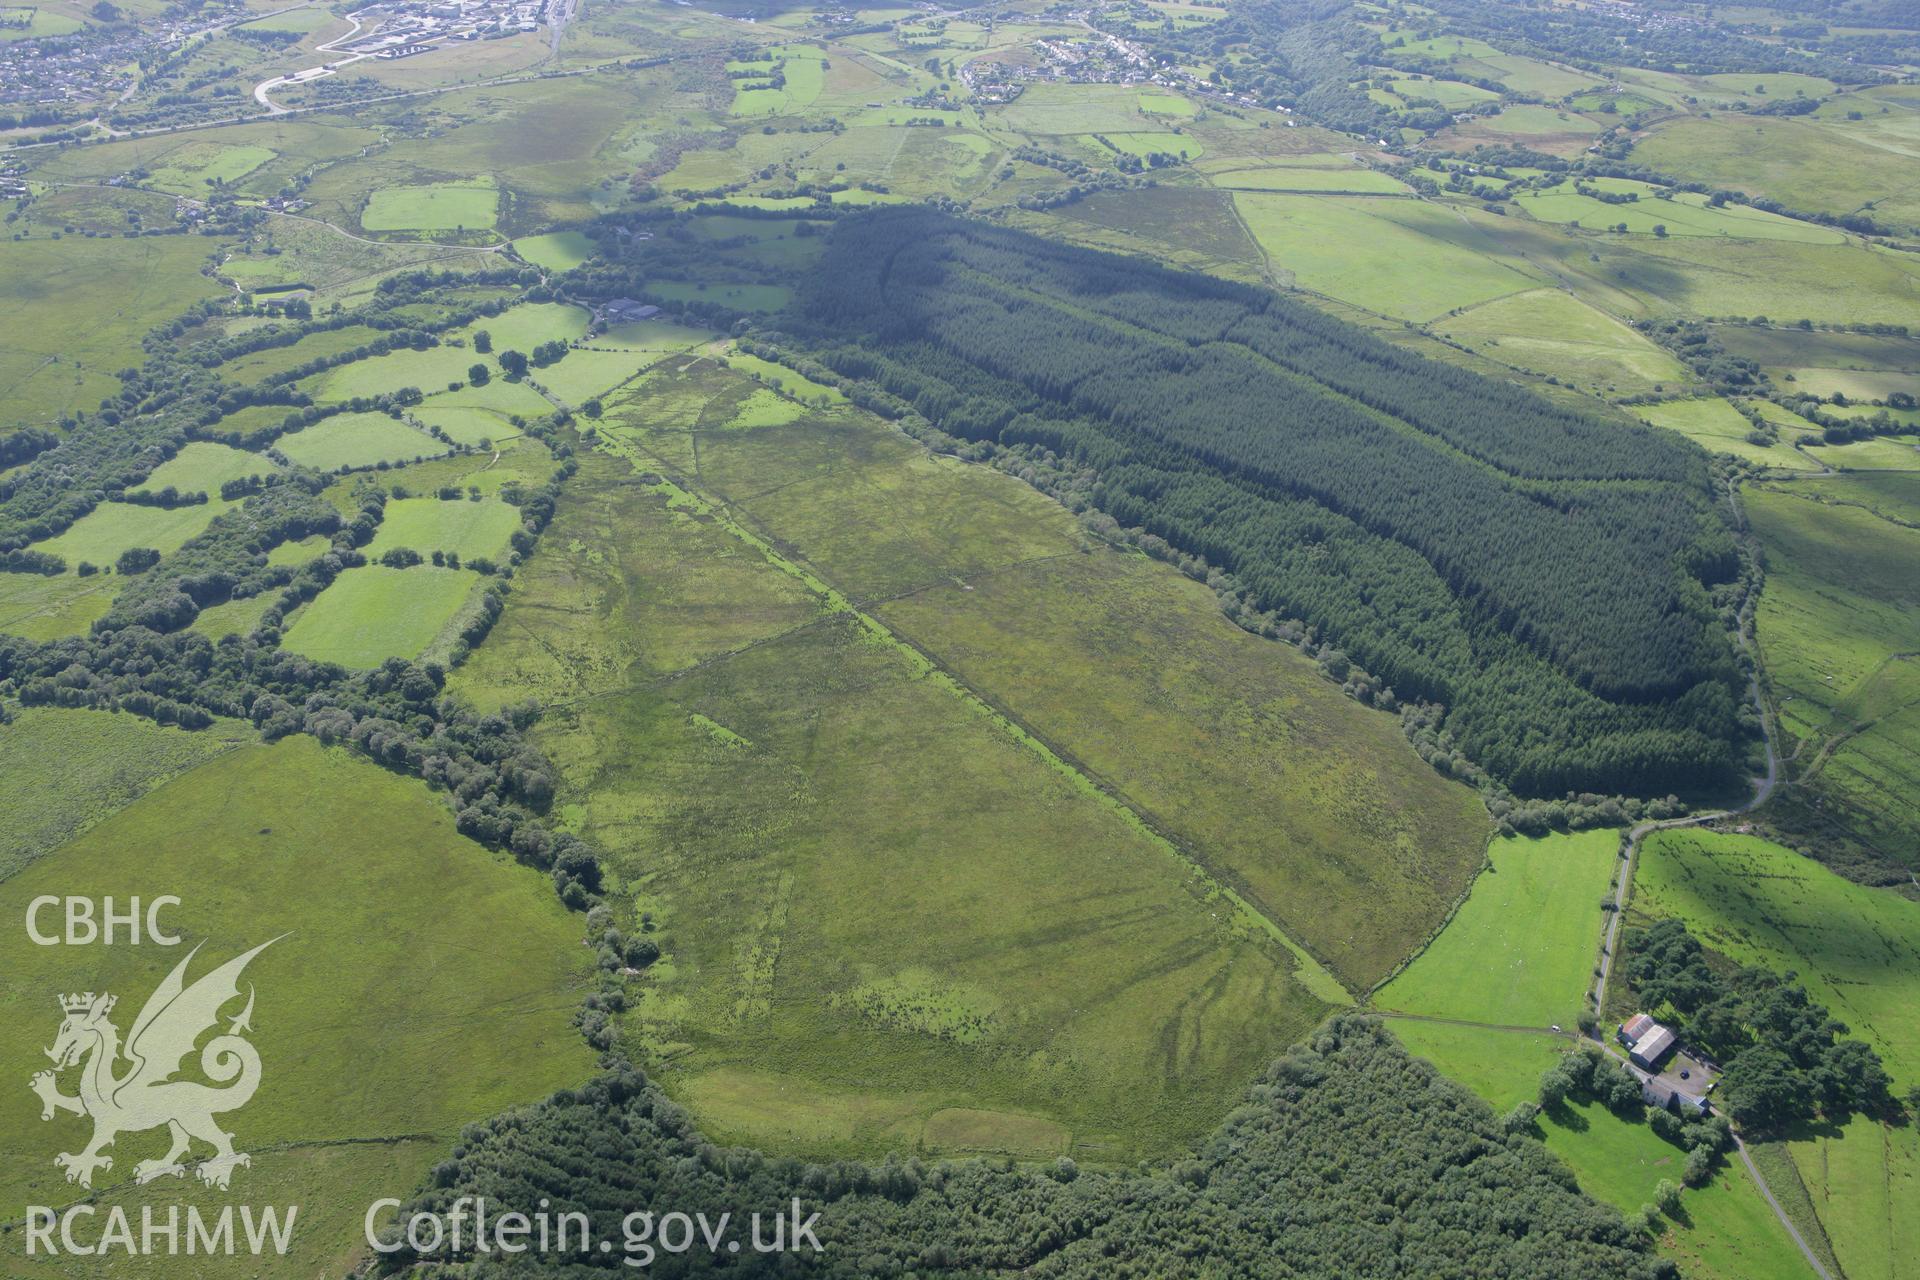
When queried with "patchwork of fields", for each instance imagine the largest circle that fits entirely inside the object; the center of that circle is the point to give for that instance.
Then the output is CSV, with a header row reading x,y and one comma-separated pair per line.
x,y
962,826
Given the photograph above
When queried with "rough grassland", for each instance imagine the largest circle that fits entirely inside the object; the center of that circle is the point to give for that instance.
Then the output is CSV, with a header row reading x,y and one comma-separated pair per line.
x,y
1837,623
66,770
1724,1230
410,955
1521,948
1284,788
72,312
465,528
879,902
1857,949
1235,747
374,613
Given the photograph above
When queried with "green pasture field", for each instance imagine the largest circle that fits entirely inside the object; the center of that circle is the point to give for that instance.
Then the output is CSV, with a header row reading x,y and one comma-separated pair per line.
x,y
1146,144
1882,453
1299,178
522,460
1856,949
374,613
1074,108
1856,384
1166,104
1724,1230
1441,47
1717,426
1891,495
112,527
268,361
587,374
794,384
440,206
1521,949
43,608
1451,94
70,769
1686,214
1802,164
405,897
498,396
1402,258
1712,275
1794,428
655,337
1787,348
429,370
73,311
529,324
202,467
1526,119
1529,75
42,23
299,552
197,167
805,78
467,424
1551,331
233,617
556,250
1864,1182
461,526
1773,84
1625,104
357,440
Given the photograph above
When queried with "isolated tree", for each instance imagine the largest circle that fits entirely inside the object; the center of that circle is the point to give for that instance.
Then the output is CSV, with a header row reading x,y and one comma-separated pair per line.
x,y
478,374
482,341
515,363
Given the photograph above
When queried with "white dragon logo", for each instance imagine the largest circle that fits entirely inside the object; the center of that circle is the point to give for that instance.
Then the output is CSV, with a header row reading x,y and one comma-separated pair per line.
x,y
146,1096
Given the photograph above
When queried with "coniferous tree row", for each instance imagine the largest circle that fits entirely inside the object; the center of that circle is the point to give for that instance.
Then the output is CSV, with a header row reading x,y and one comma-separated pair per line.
x,y
1544,574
